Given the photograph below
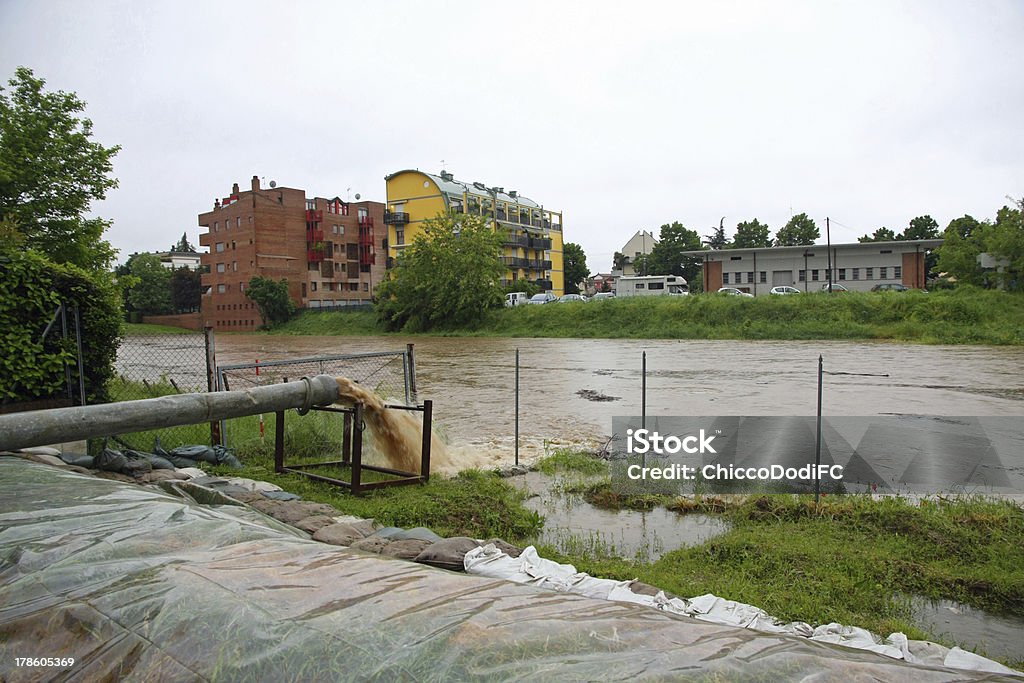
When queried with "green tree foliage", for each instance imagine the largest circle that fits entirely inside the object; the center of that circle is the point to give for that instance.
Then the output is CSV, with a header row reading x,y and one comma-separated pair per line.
x,y
799,230
883,234
272,299
666,256
618,260
958,255
576,270
186,290
1006,241
50,172
751,234
183,245
150,289
31,289
921,228
717,239
448,277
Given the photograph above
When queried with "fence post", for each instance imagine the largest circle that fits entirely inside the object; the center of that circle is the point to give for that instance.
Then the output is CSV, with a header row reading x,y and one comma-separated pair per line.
x,y
517,407
817,439
643,401
211,379
412,373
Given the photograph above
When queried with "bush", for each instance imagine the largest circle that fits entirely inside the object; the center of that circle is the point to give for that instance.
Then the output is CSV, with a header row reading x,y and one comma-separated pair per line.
x,y
31,289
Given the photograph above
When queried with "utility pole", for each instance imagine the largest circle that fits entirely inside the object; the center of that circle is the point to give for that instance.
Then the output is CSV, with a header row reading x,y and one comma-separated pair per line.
x,y
828,247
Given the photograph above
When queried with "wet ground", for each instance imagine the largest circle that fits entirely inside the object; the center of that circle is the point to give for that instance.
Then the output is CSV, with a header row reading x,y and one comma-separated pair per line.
x,y
995,636
575,526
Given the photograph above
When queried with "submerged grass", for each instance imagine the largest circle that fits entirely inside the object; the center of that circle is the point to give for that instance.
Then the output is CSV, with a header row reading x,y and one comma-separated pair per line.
x,y
963,316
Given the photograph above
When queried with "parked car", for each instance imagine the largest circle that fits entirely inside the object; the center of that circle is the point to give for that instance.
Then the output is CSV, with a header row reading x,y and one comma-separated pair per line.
x,y
890,287
835,287
784,290
569,298
544,298
732,291
516,298
603,295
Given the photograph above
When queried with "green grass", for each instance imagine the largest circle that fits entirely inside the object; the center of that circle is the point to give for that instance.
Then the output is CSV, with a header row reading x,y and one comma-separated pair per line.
x,y
567,460
963,316
149,328
850,559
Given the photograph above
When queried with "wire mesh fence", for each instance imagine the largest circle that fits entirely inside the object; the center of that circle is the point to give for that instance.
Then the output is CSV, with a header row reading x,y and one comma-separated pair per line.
x,y
149,366
317,435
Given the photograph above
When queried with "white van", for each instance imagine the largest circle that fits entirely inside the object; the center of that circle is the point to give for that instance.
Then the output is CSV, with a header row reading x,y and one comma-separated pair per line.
x,y
651,285
516,299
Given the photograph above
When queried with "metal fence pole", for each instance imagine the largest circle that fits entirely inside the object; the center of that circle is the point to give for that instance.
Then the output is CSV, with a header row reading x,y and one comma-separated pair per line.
x,y
81,362
211,379
517,408
643,401
412,373
817,439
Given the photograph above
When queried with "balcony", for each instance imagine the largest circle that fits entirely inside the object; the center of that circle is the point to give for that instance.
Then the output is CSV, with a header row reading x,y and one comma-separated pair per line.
x,y
314,235
314,255
539,243
395,218
314,216
515,262
543,284
517,241
538,265
367,222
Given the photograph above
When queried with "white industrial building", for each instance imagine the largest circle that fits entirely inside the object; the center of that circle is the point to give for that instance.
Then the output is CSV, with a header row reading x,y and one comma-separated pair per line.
x,y
858,266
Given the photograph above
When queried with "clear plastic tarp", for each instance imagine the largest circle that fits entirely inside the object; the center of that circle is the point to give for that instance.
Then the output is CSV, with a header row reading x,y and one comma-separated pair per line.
x,y
138,585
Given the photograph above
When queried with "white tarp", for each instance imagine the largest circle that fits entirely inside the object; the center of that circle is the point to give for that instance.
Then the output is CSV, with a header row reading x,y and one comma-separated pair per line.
x,y
532,569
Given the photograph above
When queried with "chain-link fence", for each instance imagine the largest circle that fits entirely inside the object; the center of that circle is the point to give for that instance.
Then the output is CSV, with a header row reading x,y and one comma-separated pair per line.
x,y
390,375
148,366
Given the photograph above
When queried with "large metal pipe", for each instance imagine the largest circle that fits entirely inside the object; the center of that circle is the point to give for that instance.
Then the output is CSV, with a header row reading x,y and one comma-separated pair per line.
x,y
60,425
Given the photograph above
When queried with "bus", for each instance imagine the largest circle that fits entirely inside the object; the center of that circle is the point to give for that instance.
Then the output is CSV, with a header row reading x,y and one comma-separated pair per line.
x,y
652,285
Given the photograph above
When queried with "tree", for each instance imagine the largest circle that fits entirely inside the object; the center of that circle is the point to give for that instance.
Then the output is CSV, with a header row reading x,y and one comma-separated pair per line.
x,y
51,172
717,239
883,234
958,255
575,269
666,256
186,290
150,292
618,260
799,230
750,235
921,228
1005,241
449,276
183,246
272,299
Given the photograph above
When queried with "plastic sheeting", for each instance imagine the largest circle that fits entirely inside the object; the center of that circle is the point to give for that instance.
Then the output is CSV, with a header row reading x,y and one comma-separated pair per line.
x,y
137,585
530,568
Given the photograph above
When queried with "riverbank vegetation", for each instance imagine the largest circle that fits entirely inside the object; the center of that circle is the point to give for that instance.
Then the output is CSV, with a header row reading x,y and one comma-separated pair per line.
x,y
966,315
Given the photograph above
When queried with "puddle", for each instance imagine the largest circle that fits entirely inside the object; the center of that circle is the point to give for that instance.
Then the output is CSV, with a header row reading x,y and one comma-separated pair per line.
x,y
970,628
574,526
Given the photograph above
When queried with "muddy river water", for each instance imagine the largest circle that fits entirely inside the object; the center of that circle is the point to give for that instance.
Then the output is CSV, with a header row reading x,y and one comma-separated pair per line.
x,y
571,388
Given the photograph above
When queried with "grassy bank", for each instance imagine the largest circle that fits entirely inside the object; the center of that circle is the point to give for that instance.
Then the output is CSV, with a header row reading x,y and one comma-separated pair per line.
x,y
963,316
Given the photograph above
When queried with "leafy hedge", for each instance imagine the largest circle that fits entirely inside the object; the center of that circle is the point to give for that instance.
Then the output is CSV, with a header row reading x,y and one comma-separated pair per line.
x,y
31,288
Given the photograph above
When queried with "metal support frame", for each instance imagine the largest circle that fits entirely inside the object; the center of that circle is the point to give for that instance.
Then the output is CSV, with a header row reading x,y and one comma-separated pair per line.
x,y
352,451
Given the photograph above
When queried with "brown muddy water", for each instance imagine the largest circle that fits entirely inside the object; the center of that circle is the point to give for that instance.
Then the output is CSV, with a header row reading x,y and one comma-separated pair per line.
x,y
571,388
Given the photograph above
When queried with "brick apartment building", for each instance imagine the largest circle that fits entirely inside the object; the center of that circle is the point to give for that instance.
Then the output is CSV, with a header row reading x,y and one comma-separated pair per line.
x,y
327,250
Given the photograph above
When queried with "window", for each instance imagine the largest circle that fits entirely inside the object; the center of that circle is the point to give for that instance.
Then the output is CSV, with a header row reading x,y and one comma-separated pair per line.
x,y
366,286
750,278
641,285
215,228
764,277
842,273
310,204
657,285
238,222
803,276
856,273
220,267
885,251
897,271
303,290
735,258
221,289
399,236
232,244
363,213
234,265
869,273
241,288
312,286
725,278
814,275
219,247
883,273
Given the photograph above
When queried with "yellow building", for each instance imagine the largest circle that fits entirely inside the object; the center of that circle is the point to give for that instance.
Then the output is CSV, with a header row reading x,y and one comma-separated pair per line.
x,y
533,246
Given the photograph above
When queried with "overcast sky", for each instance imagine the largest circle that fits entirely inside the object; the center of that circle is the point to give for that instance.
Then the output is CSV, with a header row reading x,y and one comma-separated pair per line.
x,y
622,115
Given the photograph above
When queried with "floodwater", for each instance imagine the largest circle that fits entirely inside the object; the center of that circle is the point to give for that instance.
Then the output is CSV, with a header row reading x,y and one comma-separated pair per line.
x,y
571,388
576,527
995,636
